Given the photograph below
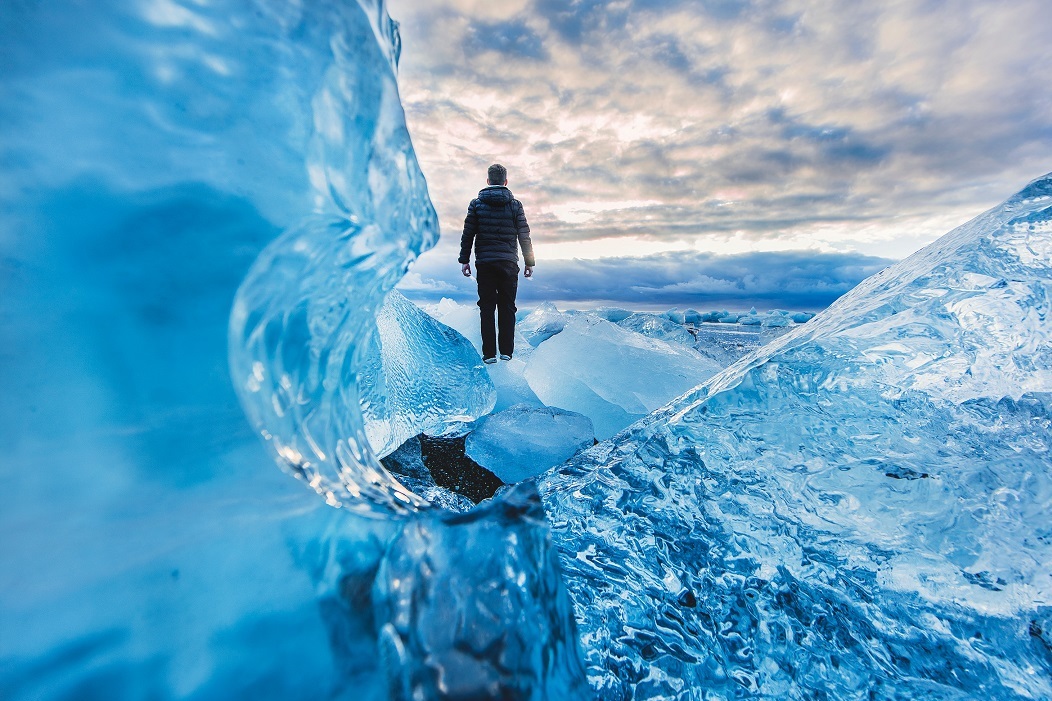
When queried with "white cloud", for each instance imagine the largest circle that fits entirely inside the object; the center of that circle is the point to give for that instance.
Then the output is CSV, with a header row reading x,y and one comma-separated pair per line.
x,y
754,126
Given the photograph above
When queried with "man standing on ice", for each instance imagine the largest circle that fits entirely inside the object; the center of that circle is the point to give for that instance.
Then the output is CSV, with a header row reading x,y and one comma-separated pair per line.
x,y
496,225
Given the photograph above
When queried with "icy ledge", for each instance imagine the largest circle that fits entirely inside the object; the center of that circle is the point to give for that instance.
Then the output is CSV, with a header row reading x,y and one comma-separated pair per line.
x,y
857,510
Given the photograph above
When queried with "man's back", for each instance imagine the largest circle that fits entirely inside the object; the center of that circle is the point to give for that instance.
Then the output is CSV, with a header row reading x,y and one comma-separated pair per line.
x,y
496,225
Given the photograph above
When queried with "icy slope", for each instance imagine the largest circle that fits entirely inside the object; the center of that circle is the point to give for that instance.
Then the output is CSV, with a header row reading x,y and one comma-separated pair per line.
x,y
858,510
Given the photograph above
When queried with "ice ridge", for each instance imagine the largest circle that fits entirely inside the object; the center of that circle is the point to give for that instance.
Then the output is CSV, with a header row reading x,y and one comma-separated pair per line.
x,y
856,510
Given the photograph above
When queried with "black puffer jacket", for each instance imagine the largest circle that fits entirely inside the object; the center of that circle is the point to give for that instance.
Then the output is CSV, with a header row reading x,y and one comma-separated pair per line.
x,y
496,224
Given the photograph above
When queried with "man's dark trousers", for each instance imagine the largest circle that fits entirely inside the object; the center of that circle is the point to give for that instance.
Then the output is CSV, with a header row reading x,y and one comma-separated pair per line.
x,y
498,283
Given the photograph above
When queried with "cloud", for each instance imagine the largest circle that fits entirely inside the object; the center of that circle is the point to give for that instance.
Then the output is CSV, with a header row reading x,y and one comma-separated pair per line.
x,y
797,280
414,284
514,39
759,117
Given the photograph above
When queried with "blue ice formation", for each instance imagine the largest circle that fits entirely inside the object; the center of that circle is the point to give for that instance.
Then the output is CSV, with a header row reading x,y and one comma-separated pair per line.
x,y
657,327
524,441
857,510
201,200
593,367
460,603
507,377
542,323
428,377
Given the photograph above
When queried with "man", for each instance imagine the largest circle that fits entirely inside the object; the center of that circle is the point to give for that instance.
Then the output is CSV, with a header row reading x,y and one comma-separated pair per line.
x,y
496,225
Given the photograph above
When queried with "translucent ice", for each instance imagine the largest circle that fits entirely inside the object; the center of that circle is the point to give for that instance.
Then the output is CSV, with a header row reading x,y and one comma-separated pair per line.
x,y
612,375
472,607
154,154
524,441
857,510
542,323
506,376
429,377
657,327
614,314
151,150
675,316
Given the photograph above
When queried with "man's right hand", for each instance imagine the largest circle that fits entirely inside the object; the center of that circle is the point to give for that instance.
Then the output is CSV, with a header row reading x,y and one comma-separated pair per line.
x,y
466,269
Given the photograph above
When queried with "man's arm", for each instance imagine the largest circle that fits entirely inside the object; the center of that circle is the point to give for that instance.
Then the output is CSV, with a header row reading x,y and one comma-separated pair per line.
x,y
471,227
525,243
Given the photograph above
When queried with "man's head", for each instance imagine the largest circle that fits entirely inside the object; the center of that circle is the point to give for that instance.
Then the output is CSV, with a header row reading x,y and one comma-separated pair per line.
x,y
497,175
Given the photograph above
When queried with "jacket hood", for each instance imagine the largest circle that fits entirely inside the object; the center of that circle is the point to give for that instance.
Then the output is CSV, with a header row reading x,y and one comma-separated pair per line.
x,y
495,195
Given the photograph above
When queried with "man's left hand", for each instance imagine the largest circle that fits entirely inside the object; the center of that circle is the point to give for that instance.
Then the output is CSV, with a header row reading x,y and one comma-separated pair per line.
x,y
529,271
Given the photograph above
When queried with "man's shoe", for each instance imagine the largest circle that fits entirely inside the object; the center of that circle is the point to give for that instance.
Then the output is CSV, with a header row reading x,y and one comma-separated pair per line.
x,y
489,361
505,357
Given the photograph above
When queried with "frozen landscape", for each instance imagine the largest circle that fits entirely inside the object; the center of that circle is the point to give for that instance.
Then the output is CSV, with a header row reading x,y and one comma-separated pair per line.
x,y
205,212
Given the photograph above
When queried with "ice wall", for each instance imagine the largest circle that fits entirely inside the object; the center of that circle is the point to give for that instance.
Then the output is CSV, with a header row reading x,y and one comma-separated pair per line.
x,y
156,157
857,510
148,152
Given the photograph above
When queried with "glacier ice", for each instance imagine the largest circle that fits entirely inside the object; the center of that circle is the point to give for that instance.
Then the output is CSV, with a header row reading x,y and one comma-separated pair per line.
x,y
511,385
593,367
523,441
542,323
657,327
461,598
157,155
614,314
858,509
428,377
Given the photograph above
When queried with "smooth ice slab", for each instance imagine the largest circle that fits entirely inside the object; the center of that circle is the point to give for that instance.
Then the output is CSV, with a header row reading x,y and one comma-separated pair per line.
x,y
858,509
610,374
524,441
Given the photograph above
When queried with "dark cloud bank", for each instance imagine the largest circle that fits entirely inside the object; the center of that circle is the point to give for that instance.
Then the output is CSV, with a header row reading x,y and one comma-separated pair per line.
x,y
796,280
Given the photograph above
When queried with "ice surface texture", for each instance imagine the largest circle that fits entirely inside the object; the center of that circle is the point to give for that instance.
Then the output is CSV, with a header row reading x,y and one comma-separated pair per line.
x,y
858,510
657,327
523,441
301,327
456,590
428,378
151,151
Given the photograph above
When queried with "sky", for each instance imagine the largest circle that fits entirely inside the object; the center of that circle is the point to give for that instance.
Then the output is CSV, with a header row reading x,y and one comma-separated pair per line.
x,y
721,153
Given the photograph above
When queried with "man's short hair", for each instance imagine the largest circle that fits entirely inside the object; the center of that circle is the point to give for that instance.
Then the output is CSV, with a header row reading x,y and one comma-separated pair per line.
x,y
497,174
